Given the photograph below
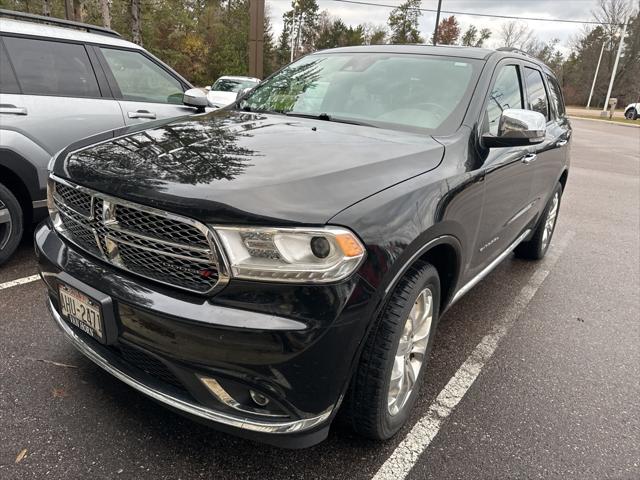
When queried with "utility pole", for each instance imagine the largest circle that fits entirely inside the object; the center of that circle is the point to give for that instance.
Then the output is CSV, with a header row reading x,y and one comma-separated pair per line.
x,y
595,76
435,32
613,73
256,38
293,29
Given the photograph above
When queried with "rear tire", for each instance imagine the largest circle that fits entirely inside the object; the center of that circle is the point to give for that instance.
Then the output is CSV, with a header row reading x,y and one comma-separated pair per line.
x,y
388,377
537,246
11,223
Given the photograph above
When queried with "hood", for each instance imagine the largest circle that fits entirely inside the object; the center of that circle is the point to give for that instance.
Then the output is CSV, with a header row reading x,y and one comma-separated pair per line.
x,y
241,168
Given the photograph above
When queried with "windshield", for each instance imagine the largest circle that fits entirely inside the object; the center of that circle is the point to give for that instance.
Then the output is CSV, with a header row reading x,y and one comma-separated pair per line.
x,y
232,85
402,91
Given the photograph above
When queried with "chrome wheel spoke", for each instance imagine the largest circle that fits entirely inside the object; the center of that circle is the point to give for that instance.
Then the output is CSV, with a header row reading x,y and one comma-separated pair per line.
x,y
5,216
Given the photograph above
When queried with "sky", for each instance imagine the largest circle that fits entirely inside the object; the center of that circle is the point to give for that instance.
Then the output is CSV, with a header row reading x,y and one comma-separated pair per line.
x,y
566,9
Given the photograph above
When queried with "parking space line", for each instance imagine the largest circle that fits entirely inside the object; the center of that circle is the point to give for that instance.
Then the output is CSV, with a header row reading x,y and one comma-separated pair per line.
x,y
406,454
19,281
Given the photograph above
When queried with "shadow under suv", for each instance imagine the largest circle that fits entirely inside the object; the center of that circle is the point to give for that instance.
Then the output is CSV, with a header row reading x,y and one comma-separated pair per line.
x,y
265,265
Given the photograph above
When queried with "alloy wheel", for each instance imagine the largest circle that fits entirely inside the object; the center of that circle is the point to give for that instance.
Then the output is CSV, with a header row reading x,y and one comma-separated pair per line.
x,y
550,221
6,225
411,351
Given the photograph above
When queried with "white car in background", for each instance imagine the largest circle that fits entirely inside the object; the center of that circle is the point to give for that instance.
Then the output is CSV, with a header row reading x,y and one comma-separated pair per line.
x,y
225,90
632,111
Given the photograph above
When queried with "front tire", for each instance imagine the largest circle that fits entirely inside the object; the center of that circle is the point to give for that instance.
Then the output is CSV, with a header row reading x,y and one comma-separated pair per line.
x,y
388,377
537,246
11,223
631,114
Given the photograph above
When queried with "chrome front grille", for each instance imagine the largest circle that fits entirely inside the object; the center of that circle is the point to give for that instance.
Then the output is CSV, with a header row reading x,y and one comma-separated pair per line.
x,y
154,244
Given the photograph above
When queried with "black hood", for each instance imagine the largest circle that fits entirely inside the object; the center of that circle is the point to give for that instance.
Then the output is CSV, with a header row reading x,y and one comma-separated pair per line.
x,y
236,167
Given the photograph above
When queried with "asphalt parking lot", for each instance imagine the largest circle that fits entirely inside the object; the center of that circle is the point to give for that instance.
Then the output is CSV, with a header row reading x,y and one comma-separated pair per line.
x,y
534,374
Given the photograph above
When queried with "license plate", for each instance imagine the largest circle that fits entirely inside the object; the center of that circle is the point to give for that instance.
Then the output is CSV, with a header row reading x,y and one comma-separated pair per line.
x,y
81,311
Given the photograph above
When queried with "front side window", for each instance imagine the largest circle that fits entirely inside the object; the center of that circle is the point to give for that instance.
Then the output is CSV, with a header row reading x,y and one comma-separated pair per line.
x,y
140,79
556,95
52,68
505,93
396,91
232,85
536,93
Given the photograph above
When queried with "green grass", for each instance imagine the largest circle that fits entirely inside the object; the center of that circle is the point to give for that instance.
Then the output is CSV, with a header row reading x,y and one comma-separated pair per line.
x,y
615,119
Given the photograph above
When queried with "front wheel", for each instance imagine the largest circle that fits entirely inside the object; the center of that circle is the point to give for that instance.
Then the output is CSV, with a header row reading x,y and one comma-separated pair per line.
x,y
388,378
537,246
631,114
10,223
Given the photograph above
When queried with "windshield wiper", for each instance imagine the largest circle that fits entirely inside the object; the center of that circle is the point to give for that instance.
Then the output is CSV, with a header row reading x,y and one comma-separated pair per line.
x,y
329,118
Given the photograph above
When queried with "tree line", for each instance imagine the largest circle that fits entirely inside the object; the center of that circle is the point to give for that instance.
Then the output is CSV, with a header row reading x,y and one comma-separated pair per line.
x,y
204,39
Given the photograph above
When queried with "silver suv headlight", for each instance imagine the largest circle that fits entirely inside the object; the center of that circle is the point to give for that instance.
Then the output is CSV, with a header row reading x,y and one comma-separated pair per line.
x,y
311,255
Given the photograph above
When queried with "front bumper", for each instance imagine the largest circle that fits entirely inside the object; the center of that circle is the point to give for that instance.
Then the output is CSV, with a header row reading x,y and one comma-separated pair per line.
x,y
301,362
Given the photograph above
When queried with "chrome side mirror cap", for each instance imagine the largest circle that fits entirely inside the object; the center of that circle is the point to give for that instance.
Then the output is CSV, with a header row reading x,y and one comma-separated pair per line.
x,y
195,98
518,127
208,88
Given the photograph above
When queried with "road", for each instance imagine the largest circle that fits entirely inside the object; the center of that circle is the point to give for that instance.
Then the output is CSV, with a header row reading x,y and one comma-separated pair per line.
x,y
535,373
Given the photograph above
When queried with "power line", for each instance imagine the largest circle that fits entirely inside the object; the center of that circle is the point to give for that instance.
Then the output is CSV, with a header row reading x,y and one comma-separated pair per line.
x,y
488,15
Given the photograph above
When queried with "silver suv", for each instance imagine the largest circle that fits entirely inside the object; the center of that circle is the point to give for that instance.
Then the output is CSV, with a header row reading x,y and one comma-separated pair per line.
x,y
61,81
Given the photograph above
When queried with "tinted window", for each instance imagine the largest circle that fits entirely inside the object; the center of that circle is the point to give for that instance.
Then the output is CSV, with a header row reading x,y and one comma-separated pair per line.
x,y
556,95
52,68
413,92
536,93
506,93
140,79
8,83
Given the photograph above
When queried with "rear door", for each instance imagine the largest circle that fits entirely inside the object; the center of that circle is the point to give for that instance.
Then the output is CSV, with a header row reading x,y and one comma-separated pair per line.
x,y
61,94
548,159
508,173
145,89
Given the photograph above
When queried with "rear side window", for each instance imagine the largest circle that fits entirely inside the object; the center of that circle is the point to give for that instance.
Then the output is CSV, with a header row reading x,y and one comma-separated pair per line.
x,y
536,93
8,82
52,68
506,93
140,79
556,95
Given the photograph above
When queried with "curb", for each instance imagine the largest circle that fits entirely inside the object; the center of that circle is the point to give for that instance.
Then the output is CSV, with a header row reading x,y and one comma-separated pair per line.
x,y
604,121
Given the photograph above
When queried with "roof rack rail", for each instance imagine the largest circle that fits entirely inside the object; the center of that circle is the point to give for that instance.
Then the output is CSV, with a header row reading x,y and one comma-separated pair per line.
x,y
30,17
514,50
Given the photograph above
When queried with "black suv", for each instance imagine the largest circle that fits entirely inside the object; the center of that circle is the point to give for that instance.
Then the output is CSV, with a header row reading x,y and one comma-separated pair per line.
x,y
265,265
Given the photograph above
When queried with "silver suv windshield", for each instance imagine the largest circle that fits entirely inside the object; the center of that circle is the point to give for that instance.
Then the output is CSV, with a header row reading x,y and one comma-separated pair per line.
x,y
401,91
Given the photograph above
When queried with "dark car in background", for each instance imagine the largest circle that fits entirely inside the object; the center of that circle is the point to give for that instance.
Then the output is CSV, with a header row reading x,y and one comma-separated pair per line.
x,y
267,265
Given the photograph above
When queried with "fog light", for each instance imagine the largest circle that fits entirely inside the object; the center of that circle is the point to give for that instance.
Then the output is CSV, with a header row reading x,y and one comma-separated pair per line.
x,y
258,398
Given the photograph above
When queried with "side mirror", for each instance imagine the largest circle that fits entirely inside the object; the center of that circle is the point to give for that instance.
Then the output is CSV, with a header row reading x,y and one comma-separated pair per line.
x,y
195,98
208,88
517,128
243,92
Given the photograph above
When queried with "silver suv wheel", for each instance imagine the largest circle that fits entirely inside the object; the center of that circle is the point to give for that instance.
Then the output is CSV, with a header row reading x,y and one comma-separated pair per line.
x,y
6,225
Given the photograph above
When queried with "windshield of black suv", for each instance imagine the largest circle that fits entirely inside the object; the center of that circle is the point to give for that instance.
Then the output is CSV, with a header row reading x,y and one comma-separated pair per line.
x,y
401,91
232,84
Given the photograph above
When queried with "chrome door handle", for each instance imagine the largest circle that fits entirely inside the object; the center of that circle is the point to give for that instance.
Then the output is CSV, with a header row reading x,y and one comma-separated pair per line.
x,y
561,143
12,110
529,157
142,114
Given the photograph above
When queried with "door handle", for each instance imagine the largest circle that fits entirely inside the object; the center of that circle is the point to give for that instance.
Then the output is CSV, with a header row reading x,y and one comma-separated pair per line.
x,y
529,157
561,143
12,110
142,114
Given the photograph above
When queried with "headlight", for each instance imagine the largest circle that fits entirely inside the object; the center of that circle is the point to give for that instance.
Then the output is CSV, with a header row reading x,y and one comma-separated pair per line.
x,y
291,254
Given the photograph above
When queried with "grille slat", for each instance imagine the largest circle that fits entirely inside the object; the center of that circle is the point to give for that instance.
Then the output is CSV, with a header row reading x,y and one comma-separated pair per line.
x,y
167,249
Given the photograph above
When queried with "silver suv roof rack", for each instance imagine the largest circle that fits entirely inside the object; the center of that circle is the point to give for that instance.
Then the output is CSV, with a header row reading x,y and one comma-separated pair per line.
x,y
30,17
514,50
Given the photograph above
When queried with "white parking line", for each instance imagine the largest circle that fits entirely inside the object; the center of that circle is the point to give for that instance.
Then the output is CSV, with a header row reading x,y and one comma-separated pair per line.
x,y
19,281
406,454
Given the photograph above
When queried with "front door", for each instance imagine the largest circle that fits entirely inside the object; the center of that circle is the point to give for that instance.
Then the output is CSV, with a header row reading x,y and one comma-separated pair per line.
x,y
145,89
508,174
